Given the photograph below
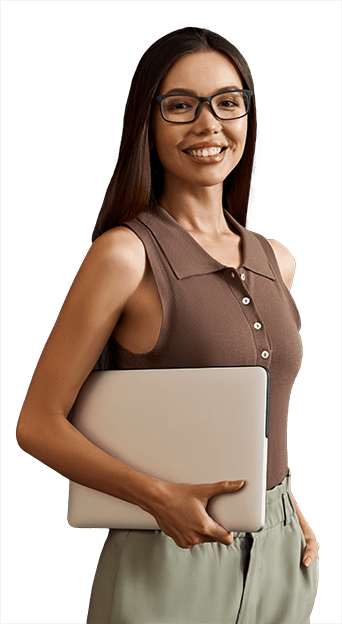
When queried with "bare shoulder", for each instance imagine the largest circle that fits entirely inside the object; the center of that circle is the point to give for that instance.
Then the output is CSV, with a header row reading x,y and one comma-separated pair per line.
x,y
286,261
121,245
119,242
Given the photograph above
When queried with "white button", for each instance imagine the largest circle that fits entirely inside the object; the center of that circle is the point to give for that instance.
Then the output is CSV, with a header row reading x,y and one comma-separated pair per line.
x,y
232,274
245,300
265,354
243,277
257,325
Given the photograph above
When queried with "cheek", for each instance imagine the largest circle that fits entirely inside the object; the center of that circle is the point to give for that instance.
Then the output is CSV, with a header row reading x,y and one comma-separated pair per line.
x,y
167,147
238,132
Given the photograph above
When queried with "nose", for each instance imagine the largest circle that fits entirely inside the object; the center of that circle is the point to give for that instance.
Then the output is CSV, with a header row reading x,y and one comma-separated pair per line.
x,y
206,120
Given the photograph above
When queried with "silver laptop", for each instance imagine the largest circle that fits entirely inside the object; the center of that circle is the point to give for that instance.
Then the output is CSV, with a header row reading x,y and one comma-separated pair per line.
x,y
184,425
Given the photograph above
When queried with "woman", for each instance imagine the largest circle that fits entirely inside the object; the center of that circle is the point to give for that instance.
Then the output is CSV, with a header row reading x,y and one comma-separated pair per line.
x,y
174,279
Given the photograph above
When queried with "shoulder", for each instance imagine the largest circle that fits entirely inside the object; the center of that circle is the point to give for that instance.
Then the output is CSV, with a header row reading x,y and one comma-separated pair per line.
x,y
286,261
119,243
119,250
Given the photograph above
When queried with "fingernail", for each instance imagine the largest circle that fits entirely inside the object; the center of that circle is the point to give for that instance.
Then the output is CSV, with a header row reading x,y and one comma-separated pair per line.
x,y
307,561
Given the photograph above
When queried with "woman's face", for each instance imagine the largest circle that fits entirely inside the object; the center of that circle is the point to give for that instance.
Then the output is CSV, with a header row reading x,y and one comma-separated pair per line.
x,y
202,74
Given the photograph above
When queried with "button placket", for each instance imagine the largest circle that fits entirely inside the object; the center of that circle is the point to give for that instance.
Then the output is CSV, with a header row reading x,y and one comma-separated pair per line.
x,y
260,336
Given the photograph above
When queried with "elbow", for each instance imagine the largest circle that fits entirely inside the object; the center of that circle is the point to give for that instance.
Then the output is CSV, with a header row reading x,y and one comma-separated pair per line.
x,y
29,442
20,436
35,435
25,433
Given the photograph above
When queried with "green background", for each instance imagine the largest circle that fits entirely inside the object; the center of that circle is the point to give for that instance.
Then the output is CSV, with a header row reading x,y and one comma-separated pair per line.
x,y
66,71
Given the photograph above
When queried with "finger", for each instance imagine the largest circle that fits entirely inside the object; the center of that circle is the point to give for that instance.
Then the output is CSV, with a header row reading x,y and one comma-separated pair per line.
x,y
309,557
221,535
183,543
227,539
177,537
207,538
311,550
221,487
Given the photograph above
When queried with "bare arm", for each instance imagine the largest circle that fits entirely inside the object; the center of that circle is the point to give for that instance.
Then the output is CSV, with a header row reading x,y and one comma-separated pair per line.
x,y
311,544
108,276
287,268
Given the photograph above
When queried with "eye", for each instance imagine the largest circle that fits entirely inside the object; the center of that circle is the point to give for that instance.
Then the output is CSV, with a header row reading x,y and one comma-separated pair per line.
x,y
228,104
178,106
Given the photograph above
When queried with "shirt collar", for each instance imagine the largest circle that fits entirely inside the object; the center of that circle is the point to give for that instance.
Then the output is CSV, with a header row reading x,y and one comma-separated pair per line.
x,y
187,257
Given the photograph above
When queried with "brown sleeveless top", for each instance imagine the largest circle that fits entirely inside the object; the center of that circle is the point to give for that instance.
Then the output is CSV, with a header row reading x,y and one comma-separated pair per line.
x,y
219,316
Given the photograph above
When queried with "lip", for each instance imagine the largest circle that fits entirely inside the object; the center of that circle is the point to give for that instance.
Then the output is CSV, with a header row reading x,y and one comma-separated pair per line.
x,y
203,145
207,160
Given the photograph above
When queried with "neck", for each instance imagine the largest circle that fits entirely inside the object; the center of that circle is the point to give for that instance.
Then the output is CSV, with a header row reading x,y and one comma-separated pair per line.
x,y
198,210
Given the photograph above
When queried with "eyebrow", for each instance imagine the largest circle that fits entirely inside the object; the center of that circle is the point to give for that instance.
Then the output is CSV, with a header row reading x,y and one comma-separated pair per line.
x,y
223,90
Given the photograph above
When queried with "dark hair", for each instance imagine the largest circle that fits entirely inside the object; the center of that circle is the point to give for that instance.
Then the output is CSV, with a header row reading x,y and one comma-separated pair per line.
x,y
137,181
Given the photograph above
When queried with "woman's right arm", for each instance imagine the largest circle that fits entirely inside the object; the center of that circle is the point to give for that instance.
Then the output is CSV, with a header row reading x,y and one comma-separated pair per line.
x,y
110,273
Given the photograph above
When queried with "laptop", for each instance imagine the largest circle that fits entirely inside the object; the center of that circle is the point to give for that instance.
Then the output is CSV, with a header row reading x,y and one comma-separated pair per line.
x,y
183,425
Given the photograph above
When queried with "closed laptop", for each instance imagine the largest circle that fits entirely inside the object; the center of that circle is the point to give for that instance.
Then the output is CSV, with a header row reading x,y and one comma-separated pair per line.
x,y
183,425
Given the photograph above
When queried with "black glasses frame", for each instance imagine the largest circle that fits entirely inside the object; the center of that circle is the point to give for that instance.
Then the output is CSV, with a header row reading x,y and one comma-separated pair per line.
x,y
248,92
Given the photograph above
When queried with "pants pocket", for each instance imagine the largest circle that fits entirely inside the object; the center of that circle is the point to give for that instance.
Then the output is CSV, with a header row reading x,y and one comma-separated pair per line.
x,y
286,589
308,580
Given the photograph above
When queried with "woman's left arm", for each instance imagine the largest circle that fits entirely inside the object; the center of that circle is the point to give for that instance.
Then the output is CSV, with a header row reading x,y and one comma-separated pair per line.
x,y
287,267
312,546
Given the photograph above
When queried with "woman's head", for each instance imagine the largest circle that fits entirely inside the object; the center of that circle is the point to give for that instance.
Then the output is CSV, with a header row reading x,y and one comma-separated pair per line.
x,y
194,125
137,182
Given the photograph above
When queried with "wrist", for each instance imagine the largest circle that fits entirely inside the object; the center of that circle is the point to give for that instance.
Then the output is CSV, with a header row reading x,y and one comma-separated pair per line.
x,y
150,493
306,529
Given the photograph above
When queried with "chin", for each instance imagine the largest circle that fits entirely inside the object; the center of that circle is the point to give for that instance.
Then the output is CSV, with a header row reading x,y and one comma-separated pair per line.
x,y
210,179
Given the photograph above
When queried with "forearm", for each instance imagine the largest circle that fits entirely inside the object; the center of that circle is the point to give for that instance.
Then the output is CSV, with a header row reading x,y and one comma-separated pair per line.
x,y
59,445
307,531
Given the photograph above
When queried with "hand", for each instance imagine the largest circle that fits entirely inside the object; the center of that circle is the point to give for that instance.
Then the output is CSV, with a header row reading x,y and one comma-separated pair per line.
x,y
311,550
312,545
181,512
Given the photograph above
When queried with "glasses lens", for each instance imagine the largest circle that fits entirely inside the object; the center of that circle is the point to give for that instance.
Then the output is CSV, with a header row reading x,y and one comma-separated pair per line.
x,y
230,105
182,108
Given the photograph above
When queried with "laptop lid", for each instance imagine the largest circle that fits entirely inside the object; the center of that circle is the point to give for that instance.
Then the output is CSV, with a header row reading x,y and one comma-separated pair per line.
x,y
185,425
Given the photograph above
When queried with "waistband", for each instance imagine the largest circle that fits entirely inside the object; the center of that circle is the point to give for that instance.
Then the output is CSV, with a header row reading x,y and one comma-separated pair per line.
x,y
279,506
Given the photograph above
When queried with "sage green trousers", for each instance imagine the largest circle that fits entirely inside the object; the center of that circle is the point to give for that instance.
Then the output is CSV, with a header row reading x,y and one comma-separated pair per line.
x,y
143,577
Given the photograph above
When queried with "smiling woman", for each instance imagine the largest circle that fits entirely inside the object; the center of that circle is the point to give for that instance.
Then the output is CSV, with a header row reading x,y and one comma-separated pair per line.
x,y
175,280
138,179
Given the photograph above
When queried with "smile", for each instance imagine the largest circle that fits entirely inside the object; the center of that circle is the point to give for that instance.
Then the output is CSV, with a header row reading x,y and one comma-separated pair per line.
x,y
208,154
205,152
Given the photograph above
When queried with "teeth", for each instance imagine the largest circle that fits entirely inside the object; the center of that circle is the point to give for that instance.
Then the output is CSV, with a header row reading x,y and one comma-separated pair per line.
x,y
210,151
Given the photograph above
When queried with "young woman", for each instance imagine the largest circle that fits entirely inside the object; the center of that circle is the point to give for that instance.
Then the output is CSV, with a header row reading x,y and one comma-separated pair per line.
x,y
174,279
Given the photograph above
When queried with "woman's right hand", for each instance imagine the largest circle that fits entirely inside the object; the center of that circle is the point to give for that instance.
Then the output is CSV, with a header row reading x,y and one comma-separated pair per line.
x,y
181,512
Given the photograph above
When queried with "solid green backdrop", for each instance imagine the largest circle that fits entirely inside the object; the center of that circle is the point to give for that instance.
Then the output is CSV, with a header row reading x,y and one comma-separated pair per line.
x,y
102,43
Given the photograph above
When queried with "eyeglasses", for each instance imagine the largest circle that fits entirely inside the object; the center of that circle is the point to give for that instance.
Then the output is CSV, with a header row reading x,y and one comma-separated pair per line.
x,y
185,107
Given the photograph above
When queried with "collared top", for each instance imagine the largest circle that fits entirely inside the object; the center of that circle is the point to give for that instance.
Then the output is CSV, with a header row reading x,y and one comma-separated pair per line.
x,y
215,315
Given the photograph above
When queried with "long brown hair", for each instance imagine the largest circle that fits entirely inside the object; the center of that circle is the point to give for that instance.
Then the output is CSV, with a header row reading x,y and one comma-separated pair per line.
x,y
137,181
